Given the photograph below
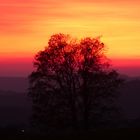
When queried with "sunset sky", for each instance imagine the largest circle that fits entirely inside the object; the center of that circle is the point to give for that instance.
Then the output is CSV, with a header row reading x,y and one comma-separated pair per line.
x,y
26,25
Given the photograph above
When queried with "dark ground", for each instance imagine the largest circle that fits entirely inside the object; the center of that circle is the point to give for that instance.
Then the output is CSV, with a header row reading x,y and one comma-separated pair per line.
x,y
116,134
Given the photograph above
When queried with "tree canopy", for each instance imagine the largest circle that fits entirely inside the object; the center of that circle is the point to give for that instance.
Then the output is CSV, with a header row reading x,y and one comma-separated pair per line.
x,y
73,84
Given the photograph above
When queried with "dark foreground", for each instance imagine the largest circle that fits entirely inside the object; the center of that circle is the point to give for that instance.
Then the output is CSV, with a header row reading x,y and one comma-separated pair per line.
x,y
116,134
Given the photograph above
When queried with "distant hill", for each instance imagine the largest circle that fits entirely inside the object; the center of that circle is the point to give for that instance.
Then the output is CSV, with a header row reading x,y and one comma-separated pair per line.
x,y
15,106
129,78
130,98
20,84
16,84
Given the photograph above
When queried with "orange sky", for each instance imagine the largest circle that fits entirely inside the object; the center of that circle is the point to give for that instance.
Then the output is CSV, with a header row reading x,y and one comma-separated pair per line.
x,y
25,26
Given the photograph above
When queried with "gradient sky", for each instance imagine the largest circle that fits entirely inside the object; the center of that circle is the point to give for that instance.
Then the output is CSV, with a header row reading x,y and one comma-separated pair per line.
x,y
25,26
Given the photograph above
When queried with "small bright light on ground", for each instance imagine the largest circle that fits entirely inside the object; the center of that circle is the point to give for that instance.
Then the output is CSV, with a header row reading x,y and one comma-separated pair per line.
x,y
22,130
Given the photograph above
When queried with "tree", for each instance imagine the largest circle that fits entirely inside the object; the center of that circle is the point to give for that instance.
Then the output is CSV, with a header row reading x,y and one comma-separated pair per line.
x,y
71,83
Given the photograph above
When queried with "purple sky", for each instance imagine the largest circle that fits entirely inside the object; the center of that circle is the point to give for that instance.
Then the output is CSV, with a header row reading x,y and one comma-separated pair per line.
x,y
23,67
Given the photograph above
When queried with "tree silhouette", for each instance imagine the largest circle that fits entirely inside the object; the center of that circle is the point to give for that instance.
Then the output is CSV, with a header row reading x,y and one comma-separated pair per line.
x,y
72,83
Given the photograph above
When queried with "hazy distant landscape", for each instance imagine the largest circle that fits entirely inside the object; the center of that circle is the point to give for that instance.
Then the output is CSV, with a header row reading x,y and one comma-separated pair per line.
x,y
15,106
14,84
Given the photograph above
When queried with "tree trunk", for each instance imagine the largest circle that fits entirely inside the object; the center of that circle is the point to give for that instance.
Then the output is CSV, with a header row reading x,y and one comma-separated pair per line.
x,y
85,102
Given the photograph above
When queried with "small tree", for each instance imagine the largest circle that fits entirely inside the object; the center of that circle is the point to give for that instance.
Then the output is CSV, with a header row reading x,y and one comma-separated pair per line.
x,y
72,82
